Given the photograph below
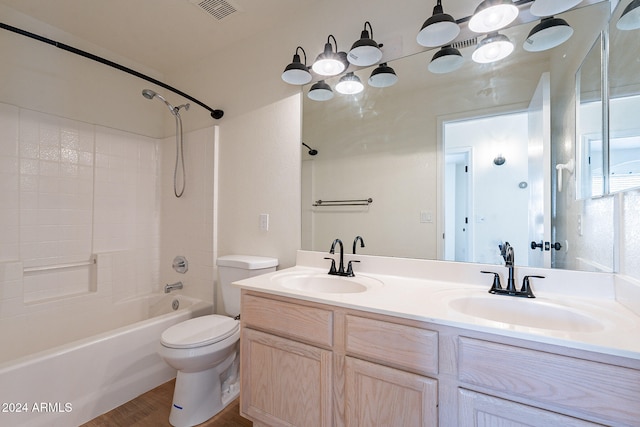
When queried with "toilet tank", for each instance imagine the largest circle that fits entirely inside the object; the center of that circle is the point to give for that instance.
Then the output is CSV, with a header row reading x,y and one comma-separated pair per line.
x,y
232,268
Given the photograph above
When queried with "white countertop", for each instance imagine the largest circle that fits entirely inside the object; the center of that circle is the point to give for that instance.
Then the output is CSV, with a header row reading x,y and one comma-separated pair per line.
x,y
427,291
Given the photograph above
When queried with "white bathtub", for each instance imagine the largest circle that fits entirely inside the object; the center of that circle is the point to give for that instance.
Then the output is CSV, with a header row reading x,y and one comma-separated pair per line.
x,y
73,383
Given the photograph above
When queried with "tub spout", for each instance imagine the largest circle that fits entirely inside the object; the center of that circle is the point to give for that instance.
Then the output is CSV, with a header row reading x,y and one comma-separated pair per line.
x,y
171,287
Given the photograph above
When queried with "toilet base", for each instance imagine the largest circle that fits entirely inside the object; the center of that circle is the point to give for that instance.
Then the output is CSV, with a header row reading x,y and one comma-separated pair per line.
x,y
198,396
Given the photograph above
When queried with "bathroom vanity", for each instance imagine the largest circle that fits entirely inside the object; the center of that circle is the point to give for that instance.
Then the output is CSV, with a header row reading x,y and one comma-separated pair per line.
x,y
405,351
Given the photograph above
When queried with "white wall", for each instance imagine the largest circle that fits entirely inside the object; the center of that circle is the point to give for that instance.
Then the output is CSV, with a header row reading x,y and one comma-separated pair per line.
x,y
187,222
259,172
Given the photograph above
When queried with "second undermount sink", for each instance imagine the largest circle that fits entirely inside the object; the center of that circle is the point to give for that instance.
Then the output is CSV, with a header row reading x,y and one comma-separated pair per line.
x,y
526,312
325,283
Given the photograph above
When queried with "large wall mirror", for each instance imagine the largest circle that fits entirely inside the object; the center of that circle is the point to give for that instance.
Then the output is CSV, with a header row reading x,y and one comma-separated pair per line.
x,y
454,164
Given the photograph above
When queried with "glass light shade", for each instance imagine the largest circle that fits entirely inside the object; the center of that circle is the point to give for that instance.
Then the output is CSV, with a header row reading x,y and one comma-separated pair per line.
x,y
492,48
296,73
320,91
446,60
544,8
491,15
383,76
328,63
438,30
549,33
349,84
630,19
365,51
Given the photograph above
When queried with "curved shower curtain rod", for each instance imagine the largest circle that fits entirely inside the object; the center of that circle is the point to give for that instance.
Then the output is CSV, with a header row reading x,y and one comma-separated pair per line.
x,y
216,114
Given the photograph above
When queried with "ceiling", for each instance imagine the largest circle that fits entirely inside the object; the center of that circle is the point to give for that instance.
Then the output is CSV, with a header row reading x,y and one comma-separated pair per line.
x,y
161,34
165,34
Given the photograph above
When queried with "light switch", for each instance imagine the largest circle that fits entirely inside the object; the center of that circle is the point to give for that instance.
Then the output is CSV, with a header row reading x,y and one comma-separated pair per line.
x,y
426,217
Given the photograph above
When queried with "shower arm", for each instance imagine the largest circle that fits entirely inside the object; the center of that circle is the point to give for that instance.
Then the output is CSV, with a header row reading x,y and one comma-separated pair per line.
x,y
216,114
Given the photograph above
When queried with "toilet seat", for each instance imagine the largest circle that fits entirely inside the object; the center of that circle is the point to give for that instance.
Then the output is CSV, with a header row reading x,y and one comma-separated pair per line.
x,y
199,331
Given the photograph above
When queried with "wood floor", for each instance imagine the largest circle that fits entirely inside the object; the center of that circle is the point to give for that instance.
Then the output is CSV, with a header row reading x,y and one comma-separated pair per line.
x,y
152,410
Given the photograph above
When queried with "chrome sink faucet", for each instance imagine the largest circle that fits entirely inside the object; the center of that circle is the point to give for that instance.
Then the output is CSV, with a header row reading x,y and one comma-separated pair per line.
x,y
168,288
506,250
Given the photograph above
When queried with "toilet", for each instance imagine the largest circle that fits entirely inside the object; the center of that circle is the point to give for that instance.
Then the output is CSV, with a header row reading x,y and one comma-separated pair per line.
x,y
204,350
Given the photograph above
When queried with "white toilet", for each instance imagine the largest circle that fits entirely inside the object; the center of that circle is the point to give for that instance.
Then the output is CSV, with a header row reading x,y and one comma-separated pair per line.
x,y
204,350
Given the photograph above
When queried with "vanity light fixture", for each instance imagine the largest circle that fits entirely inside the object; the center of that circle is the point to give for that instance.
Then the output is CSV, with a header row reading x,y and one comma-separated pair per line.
x,y
447,59
349,84
330,63
320,91
544,8
491,15
630,19
492,48
297,73
383,76
439,29
365,51
549,33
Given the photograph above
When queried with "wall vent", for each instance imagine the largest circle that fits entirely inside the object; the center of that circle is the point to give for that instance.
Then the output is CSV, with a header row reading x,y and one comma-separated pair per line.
x,y
219,9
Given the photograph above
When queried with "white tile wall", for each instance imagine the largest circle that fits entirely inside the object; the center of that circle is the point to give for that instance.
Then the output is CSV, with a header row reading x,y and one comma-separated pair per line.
x,y
9,183
69,190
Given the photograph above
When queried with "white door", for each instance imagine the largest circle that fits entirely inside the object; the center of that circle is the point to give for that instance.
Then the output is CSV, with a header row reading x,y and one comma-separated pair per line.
x,y
540,175
457,194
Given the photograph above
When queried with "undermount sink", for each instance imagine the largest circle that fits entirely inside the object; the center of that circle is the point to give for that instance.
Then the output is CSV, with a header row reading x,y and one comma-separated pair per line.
x,y
526,312
325,283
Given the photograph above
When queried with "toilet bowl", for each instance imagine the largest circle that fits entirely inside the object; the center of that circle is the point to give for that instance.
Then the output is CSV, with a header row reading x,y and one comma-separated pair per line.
x,y
205,350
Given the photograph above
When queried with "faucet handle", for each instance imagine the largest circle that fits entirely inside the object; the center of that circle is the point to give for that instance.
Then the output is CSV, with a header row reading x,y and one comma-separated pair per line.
x,y
332,270
496,281
350,268
526,287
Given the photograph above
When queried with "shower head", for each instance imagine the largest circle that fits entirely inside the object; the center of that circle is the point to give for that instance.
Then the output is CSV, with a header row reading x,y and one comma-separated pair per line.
x,y
149,94
312,151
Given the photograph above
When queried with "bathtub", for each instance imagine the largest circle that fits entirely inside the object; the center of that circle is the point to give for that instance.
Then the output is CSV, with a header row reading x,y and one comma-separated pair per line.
x,y
72,383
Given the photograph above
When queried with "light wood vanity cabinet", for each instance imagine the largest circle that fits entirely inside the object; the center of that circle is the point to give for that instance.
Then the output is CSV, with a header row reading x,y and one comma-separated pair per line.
x,y
308,364
385,382
286,382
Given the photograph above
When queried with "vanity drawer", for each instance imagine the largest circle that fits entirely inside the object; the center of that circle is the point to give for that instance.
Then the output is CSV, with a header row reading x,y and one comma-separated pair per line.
x,y
591,388
397,345
309,324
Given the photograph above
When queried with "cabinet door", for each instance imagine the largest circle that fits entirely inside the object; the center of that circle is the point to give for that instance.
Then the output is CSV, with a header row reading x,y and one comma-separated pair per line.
x,y
377,395
481,410
284,383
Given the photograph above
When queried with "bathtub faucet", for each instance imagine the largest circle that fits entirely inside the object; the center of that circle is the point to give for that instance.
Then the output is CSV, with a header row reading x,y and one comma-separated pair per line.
x,y
171,287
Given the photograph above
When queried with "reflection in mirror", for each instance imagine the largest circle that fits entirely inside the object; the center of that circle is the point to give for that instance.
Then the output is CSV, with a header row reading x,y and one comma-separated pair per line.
x,y
624,104
387,144
485,165
589,124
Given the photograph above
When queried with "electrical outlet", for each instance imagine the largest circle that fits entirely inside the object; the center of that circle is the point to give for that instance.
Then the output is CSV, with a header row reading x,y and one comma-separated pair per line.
x,y
264,222
579,225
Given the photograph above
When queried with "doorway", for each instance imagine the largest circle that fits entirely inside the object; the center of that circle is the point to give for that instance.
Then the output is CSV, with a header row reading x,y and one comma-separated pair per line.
x,y
486,191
